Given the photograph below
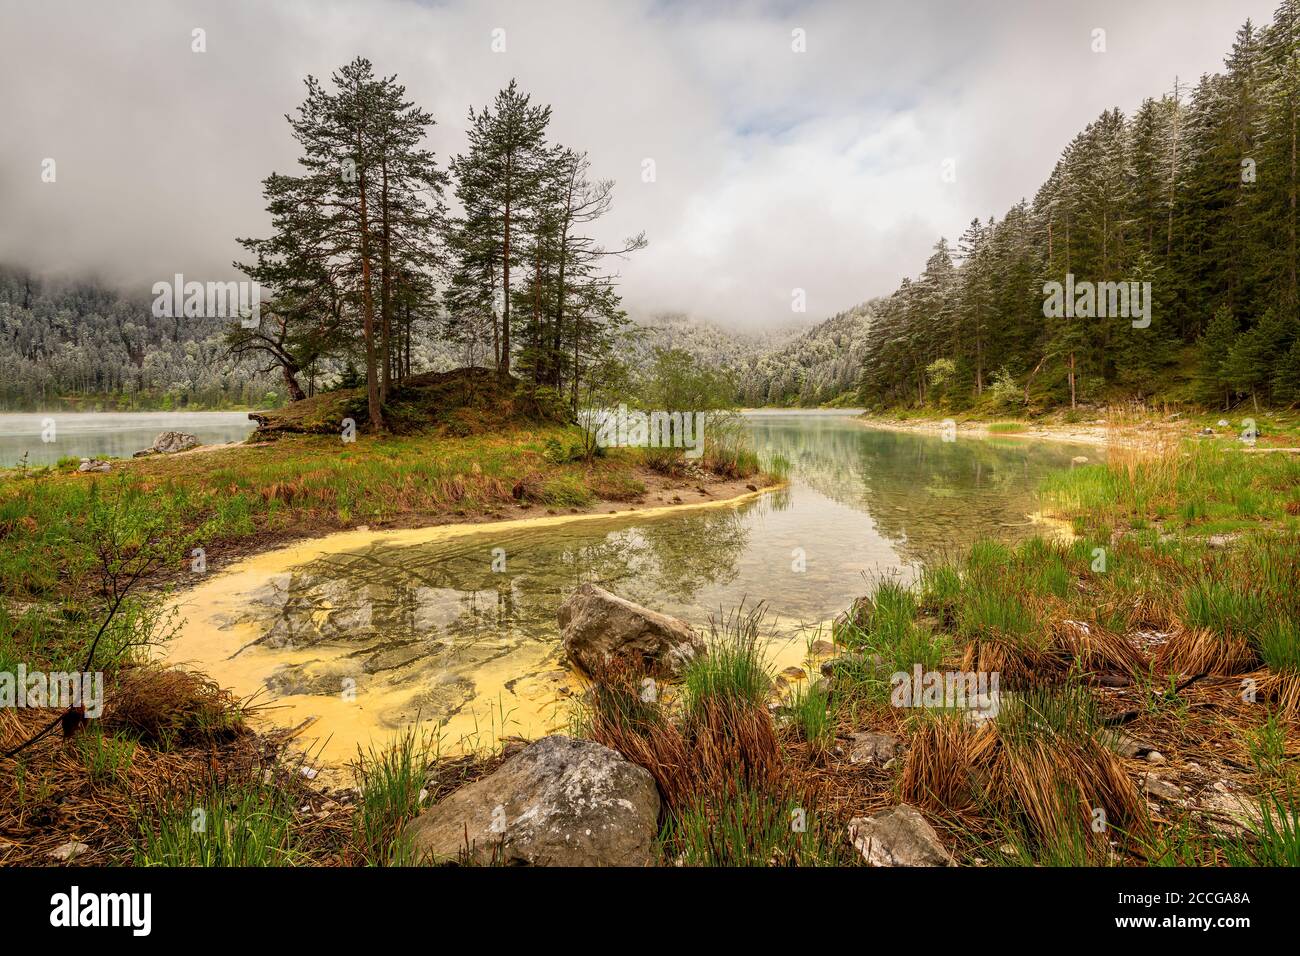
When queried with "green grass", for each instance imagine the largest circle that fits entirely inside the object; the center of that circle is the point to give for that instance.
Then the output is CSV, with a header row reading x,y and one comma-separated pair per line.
x,y
752,826
1199,486
1274,841
1007,428
242,825
885,631
389,782
107,758
735,672
811,715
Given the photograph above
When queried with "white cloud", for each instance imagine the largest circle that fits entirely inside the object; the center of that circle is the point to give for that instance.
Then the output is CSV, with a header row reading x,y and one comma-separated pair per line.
x,y
775,169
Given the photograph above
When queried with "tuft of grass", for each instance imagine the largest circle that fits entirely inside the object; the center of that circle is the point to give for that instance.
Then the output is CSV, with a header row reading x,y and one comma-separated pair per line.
x,y
1274,841
247,824
389,782
168,707
746,825
810,710
107,758
734,673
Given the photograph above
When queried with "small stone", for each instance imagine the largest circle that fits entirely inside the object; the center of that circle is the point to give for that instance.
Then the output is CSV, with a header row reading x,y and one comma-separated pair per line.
x,y
1231,813
872,748
898,837
1127,746
821,649
1160,788
1079,460
68,851
1223,423
794,673
649,691
1155,756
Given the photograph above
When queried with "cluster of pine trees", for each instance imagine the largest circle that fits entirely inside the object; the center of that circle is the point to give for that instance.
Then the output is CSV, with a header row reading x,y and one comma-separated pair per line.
x,y
365,259
1195,193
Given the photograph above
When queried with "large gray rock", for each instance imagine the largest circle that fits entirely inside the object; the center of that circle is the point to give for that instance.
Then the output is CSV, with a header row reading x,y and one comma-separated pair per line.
x,y
600,628
558,802
169,442
898,837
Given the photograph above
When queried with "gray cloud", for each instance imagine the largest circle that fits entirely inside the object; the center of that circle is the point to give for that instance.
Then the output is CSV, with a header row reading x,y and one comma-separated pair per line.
x,y
775,170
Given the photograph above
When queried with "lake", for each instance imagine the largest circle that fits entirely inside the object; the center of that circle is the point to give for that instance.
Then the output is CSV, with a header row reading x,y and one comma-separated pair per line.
x,y
371,632
107,434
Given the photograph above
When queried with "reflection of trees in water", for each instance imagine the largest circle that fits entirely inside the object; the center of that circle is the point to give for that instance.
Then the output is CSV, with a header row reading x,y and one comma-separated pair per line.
x,y
926,496
441,607
388,605
934,497
822,454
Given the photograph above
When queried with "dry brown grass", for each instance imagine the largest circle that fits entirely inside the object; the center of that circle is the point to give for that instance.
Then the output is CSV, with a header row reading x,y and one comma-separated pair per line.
x,y
1201,651
1047,783
717,745
170,707
937,774
1096,649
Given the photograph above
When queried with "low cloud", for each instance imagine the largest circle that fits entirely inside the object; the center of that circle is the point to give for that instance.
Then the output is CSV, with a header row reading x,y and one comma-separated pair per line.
x,y
775,170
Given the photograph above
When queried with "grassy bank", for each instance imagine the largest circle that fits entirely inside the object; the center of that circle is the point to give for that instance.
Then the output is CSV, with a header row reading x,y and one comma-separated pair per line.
x,y
1118,426
1149,682
1149,693
86,560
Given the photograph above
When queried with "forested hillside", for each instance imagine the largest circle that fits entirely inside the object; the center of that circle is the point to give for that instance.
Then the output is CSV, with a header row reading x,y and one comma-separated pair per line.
x,y
1196,193
85,343
819,366
710,344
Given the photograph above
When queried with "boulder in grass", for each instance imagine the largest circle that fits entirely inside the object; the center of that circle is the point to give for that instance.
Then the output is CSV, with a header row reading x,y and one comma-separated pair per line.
x,y
557,802
898,837
874,748
168,443
601,629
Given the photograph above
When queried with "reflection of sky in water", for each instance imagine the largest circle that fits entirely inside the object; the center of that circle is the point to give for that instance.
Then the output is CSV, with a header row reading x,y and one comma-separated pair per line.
x,y
860,503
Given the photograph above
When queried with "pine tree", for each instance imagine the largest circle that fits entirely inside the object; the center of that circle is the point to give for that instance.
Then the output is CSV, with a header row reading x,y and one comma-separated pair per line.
x,y
498,183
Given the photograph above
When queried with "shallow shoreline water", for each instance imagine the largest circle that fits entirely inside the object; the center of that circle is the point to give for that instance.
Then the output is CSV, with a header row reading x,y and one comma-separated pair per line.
x,y
367,632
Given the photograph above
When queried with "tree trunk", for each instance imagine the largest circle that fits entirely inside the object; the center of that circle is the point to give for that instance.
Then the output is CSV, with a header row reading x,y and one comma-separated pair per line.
x,y
291,383
385,285
373,408
504,367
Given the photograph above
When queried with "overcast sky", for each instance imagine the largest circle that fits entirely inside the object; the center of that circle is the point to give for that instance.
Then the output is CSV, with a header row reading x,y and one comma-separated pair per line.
x,y
775,169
